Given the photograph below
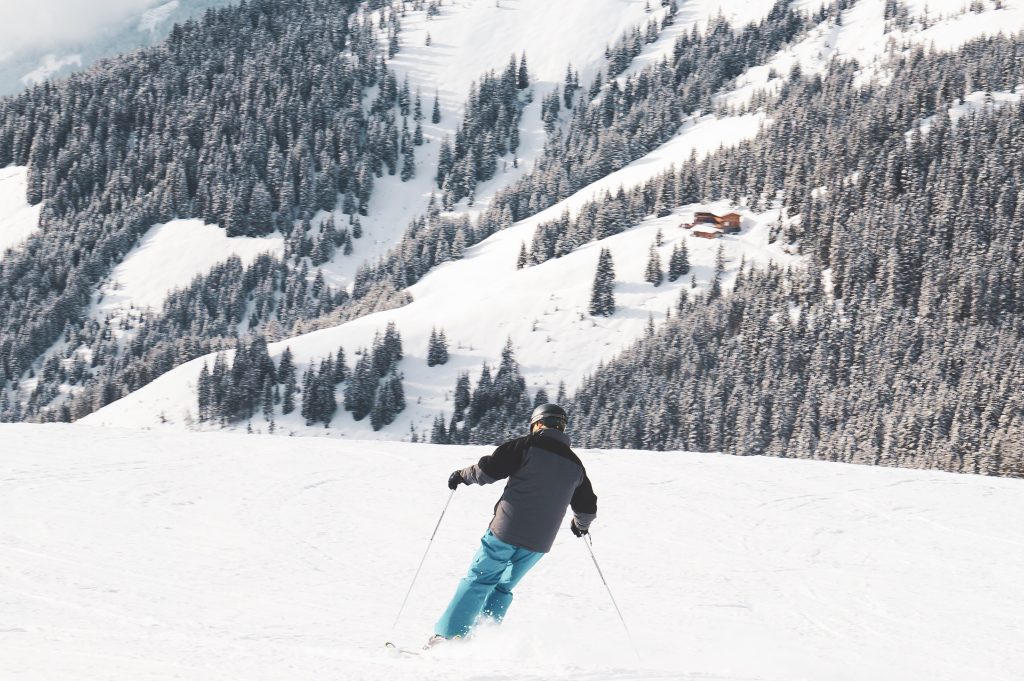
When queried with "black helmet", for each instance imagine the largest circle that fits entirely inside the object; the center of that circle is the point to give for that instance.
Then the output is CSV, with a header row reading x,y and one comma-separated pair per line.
x,y
551,415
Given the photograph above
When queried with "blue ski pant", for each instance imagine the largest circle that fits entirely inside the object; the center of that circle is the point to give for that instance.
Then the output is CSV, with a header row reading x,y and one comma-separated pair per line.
x,y
487,589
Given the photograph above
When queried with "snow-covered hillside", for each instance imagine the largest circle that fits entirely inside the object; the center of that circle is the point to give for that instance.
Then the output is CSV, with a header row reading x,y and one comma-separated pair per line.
x,y
865,33
468,39
17,219
482,300
216,556
52,38
169,256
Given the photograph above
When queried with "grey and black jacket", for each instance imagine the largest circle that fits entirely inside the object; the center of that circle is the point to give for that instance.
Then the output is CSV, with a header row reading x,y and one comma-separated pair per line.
x,y
544,477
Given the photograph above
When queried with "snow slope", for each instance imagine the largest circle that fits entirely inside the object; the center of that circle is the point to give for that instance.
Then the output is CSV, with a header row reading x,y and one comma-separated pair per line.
x,y
467,39
864,35
18,220
482,299
130,556
976,102
170,256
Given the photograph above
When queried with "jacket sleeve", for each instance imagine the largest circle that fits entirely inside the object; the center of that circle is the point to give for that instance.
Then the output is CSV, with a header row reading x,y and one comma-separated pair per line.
x,y
584,503
505,461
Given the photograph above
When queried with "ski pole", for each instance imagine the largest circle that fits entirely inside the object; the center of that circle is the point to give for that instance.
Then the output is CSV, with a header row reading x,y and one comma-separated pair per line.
x,y
589,544
422,560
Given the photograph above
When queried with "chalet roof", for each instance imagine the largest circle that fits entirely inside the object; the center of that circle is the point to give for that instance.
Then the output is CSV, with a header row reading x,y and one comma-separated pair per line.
x,y
706,229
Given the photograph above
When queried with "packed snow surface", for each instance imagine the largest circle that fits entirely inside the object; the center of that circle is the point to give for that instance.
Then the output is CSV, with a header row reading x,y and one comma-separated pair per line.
x,y
134,556
18,220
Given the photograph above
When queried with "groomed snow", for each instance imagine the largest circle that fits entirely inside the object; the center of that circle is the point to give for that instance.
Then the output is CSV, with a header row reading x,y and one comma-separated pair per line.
x,y
131,555
482,299
18,220
170,256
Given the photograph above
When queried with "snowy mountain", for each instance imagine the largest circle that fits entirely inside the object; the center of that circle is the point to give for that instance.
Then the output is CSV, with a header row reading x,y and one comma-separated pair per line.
x,y
212,556
629,119
54,38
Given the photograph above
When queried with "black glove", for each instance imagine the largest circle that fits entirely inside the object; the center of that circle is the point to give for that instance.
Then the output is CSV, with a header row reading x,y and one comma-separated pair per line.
x,y
455,479
577,530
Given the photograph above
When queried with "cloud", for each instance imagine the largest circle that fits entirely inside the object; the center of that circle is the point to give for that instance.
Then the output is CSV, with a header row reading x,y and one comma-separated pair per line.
x,y
52,24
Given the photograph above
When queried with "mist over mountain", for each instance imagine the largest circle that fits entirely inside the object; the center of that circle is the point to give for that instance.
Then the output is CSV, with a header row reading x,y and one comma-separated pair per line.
x,y
52,38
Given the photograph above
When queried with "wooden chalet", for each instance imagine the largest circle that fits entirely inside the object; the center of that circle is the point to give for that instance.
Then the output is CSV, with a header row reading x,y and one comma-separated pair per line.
x,y
728,223
706,231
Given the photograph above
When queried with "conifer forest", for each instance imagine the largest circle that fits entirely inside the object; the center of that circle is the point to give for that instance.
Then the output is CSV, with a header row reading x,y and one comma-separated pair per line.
x,y
898,340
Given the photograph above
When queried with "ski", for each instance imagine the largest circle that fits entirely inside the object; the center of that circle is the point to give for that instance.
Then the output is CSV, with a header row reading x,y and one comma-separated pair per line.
x,y
398,649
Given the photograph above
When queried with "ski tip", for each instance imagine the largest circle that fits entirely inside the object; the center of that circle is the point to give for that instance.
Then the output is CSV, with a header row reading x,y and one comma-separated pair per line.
x,y
395,648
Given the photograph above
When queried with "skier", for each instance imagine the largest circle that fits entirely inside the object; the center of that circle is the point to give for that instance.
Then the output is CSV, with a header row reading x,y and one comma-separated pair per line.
x,y
544,477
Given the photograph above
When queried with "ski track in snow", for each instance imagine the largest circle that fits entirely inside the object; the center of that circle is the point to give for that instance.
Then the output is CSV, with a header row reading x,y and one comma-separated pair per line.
x,y
132,555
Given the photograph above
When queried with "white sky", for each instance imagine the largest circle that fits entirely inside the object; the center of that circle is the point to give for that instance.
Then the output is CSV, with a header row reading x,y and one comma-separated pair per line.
x,y
58,22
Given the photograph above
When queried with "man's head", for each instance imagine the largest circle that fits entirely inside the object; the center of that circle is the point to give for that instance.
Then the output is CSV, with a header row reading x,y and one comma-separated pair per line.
x,y
548,416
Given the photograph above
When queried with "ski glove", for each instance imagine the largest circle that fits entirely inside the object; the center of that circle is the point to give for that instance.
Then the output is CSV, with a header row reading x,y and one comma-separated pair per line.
x,y
455,479
577,530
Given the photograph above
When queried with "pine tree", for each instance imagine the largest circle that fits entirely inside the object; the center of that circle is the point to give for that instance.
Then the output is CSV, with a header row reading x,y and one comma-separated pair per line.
x,y
360,391
203,389
408,158
431,343
435,114
442,347
716,282
462,397
523,81
679,262
438,434
653,274
437,348
388,403
602,298
309,396
286,374
387,350
326,403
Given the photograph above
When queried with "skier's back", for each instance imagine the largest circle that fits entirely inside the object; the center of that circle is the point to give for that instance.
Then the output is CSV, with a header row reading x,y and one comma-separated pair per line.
x,y
544,478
